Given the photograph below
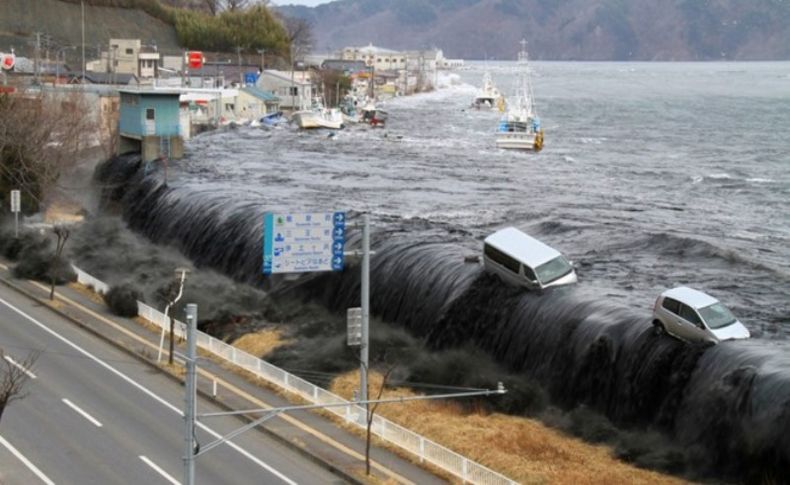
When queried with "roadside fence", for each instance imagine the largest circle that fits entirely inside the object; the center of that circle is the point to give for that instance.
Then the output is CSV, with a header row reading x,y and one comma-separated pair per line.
x,y
423,448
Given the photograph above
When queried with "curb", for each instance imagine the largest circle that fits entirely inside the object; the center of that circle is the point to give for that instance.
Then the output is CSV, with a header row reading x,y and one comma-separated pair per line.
x,y
204,394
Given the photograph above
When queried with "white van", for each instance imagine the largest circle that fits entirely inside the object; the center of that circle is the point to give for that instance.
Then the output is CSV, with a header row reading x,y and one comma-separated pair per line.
x,y
524,261
692,315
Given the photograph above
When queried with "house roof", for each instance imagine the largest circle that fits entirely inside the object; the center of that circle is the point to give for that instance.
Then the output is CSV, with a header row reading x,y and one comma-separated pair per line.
x,y
344,65
152,92
260,93
371,49
283,76
109,78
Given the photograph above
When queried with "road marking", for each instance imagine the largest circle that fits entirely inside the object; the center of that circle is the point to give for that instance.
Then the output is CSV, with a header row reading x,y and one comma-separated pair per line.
x,y
82,412
19,366
159,470
27,462
285,417
147,391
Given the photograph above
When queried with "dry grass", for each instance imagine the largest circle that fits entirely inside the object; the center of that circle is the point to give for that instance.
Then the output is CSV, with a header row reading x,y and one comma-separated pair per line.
x,y
523,449
87,292
260,343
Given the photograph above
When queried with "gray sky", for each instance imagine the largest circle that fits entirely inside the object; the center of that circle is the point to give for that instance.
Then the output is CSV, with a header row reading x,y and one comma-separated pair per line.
x,y
309,3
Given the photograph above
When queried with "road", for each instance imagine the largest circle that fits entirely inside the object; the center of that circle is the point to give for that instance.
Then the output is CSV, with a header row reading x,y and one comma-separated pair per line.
x,y
94,414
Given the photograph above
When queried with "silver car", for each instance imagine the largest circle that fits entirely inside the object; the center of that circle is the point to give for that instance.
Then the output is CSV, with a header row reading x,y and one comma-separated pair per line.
x,y
695,316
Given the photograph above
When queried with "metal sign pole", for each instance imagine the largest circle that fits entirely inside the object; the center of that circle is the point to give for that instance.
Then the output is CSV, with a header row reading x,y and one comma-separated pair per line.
x,y
365,296
190,386
16,206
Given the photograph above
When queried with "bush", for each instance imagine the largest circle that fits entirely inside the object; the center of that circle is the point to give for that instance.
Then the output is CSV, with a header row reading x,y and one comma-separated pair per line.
x,y
38,265
122,300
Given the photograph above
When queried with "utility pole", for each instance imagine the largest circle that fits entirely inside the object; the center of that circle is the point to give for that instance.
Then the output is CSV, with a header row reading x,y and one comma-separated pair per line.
x,y
365,304
82,5
262,52
37,66
293,86
189,401
241,74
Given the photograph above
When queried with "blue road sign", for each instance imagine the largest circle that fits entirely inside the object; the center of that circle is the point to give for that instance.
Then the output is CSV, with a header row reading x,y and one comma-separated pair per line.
x,y
306,242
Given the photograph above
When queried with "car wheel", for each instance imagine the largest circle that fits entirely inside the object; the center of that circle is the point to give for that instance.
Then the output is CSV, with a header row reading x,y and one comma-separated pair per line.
x,y
659,328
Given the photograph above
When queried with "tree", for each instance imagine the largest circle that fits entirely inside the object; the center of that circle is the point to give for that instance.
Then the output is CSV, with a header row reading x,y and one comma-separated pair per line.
x,y
300,31
13,378
41,136
62,234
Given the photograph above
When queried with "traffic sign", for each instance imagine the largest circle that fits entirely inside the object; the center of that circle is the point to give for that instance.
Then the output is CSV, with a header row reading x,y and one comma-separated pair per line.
x,y
16,201
354,326
7,61
305,242
195,59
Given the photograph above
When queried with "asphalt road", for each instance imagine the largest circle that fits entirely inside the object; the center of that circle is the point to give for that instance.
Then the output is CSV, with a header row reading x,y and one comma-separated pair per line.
x,y
94,414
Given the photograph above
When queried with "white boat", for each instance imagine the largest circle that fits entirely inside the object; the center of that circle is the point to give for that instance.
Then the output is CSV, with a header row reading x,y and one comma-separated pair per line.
x,y
488,96
374,116
519,128
318,117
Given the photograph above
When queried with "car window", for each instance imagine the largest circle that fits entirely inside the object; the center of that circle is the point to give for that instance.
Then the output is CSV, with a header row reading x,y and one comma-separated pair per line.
x,y
529,273
671,305
553,270
717,316
687,313
501,258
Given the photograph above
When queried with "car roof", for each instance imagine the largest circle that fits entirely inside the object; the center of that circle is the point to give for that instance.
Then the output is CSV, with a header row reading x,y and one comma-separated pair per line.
x,y
694,298
521,246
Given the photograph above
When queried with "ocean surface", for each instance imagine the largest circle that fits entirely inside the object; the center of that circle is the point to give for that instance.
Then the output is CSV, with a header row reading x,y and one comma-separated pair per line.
x,y
653,175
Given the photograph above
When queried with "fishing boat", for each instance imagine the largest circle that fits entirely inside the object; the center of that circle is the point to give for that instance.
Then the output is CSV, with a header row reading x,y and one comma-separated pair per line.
x,y
318,117
374,116
488,96
519,128
272,119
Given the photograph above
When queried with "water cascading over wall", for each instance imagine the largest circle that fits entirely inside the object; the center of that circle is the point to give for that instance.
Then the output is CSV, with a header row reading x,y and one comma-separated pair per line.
x,y
729,404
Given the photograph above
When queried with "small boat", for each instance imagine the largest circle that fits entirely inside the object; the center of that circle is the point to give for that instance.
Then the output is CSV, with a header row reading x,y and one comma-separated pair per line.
x,y
488,96
273,119
318,117
374,116
519,128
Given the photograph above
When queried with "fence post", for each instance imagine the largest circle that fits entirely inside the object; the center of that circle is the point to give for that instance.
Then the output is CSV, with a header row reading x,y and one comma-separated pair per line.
x,y
422,449
464,469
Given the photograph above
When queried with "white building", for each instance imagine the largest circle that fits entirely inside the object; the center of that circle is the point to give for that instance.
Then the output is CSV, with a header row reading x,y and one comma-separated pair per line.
x,y
127,56
293,88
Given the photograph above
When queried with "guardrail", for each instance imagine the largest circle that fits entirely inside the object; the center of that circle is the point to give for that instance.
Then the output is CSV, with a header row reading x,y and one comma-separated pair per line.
x,y
424,449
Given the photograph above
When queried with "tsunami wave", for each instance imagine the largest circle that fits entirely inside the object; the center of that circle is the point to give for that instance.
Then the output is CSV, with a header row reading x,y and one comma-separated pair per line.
x,y
727,406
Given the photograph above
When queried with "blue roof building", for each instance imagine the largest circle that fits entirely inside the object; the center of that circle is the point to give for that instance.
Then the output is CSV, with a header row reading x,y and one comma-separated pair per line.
x,y
150,122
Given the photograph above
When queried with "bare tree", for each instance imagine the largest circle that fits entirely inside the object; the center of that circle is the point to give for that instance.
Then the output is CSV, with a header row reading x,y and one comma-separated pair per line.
x,y
41,137
371,413
300,31
62,234
234,5
13,378
213,6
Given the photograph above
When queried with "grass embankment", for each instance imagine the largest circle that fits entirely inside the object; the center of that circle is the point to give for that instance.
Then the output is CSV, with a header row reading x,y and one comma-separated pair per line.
x,y
520,448
251,29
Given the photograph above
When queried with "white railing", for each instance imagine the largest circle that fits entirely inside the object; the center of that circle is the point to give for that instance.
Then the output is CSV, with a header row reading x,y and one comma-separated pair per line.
x,y
91,282
425,449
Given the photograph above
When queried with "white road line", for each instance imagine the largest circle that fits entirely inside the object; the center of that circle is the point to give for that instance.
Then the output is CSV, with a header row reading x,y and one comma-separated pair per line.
x,y
20,366
27,462
148,392
159,470
82,412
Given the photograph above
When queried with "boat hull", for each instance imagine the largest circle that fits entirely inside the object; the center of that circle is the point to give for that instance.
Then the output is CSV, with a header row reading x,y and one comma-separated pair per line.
x,y
309,120
520,141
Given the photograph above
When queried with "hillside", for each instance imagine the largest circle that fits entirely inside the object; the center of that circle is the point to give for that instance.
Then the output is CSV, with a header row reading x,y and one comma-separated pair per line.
x,y
61,20
666,30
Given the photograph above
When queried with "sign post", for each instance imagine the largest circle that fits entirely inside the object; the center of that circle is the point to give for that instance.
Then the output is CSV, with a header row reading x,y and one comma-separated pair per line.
x,y
16,206
301,243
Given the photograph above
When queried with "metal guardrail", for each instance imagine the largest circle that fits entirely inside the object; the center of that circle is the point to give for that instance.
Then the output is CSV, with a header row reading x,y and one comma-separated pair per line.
x,y
423,448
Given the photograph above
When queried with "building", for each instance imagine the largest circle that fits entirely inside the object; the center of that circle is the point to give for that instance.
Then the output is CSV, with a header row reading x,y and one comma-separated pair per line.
x,y
128,56
376,57
347,67
253,103
294,88
151,122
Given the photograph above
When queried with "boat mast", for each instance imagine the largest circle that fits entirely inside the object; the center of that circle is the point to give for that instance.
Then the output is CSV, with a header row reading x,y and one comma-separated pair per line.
x,y
525,85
